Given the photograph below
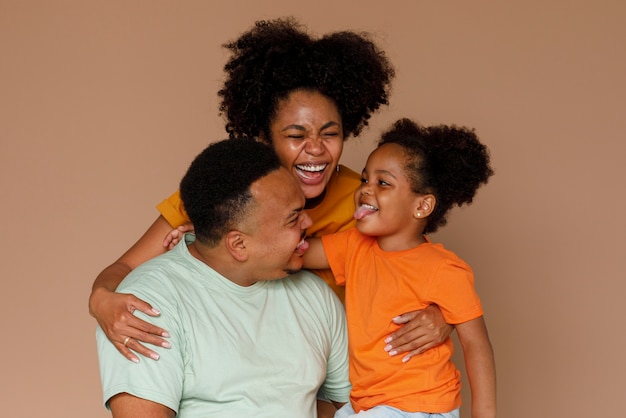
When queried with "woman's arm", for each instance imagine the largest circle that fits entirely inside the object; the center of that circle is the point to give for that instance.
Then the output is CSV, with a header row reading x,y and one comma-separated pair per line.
x,y
114,311
480,366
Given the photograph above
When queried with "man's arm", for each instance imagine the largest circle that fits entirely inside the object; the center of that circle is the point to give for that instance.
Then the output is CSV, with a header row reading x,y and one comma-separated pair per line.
x,y
125,405
327,409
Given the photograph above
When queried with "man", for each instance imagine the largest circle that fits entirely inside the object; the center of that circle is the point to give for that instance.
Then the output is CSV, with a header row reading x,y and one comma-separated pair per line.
x,y
243,343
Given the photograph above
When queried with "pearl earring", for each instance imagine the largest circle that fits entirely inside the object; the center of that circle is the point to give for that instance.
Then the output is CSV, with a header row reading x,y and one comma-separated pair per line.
x,y
337,168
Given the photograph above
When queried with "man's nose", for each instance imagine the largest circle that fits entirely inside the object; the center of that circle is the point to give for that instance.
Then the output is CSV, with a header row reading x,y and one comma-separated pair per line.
x,y
306,221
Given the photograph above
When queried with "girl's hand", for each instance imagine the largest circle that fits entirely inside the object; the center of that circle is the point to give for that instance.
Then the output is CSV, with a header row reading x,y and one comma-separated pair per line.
x,y
175,235
423,329
114,313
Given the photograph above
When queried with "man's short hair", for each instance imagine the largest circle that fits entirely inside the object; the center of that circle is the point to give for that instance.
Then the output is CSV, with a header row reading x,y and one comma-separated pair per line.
x,y
216,189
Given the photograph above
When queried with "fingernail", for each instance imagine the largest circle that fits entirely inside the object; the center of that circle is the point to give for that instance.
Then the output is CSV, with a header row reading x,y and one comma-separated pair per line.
x,y
165,344
154,356
165,334
156,311
405,359
388,347
134,359
393,352
388,340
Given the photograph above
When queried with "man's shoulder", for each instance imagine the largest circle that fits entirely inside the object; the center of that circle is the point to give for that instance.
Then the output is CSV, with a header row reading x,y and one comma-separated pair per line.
x,y
307,282
306,277
157,274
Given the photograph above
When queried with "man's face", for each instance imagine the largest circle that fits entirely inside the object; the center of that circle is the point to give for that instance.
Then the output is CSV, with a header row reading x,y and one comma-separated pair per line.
x,y
276,226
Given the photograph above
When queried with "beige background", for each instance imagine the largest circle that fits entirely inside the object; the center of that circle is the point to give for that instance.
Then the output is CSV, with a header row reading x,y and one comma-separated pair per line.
x,y
103,104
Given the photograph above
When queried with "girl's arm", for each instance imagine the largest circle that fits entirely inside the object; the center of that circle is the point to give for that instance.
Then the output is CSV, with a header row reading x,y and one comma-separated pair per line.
x,y
315,257
114,311
480,366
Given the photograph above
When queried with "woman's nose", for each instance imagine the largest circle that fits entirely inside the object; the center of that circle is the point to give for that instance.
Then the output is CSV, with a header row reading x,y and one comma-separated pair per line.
x,y
314,145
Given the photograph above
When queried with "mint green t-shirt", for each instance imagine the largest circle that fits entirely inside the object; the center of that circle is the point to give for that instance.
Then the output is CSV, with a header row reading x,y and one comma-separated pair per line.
x,y
258,351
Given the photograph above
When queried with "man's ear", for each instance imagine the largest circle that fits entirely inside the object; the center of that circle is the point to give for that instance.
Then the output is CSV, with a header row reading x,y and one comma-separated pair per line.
x,y
425,205
235,242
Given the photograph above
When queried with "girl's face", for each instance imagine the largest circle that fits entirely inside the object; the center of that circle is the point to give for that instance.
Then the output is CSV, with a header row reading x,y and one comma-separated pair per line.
x,y
386,205
308,138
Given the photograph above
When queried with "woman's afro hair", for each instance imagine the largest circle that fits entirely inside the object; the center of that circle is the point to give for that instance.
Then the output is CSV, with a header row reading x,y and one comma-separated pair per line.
x,y
277,57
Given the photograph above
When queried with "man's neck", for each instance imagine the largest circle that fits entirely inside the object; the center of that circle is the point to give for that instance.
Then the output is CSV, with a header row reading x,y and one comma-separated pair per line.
x,y
218,259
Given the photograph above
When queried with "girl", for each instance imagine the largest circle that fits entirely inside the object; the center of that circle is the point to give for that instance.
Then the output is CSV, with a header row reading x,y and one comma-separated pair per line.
x,y
388,265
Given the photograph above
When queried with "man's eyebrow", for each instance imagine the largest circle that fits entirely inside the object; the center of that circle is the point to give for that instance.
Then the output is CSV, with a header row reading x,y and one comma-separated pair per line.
x,y
295,213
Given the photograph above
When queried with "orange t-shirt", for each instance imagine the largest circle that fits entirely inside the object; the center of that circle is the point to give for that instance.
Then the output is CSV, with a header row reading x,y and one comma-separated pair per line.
x,y
381,285
334,214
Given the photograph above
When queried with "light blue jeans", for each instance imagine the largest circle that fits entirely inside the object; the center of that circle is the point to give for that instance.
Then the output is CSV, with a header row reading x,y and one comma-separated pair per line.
x,y
383,411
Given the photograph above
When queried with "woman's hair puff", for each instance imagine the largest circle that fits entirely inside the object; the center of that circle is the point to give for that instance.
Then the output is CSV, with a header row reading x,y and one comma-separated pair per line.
x,y
277,57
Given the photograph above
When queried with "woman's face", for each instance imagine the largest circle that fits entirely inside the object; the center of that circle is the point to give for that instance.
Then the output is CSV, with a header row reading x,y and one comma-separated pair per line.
x,y
308,138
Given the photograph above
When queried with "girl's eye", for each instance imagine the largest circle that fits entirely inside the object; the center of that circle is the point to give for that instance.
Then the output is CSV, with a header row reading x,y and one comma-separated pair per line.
x,y
363,180
383,183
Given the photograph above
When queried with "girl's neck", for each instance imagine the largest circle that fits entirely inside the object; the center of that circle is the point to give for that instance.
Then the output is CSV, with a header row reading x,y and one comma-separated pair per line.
x,y
400,243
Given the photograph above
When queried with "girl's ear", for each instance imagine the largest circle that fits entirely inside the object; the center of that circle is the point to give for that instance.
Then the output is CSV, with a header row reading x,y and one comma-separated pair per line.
x,y
236,245
425,206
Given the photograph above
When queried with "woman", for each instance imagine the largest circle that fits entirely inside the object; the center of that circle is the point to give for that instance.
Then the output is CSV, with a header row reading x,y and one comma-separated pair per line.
x,y
304,96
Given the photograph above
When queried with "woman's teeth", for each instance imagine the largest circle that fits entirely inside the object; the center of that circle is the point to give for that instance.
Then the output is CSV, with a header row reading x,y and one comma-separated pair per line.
x,y
312,168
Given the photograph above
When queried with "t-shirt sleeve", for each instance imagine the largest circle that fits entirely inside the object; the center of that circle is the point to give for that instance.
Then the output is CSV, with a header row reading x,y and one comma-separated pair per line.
x,y
335,248
452,289
337,386
158,381
173,211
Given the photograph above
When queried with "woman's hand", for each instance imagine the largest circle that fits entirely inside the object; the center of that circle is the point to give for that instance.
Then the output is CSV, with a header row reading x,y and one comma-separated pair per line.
x,y
423,329
175,235
114,313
